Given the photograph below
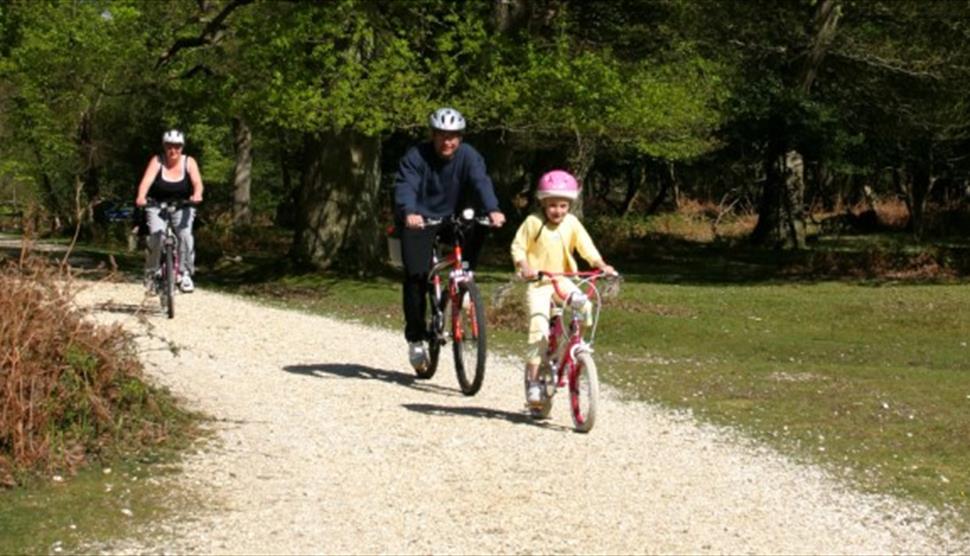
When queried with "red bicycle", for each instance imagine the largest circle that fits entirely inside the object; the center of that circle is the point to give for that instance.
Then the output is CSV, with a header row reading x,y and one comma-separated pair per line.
x,y
458,301
569,357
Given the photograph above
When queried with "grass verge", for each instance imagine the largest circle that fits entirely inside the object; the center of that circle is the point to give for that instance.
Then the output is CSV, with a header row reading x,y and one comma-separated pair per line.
x,y
100,502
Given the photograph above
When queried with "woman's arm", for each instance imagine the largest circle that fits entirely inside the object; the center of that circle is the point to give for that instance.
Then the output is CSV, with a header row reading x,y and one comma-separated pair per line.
x,y
196,178
146,181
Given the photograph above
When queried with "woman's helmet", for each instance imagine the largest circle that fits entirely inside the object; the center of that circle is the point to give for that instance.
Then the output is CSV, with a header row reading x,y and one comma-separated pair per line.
x,y
447,119
174,137
558,183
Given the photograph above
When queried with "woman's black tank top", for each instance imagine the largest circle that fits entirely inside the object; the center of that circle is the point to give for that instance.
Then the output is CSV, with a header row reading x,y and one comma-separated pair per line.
x,y
162,189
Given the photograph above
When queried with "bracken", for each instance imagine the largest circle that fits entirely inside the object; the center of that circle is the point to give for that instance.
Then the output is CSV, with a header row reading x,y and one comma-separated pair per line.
x,y
70,390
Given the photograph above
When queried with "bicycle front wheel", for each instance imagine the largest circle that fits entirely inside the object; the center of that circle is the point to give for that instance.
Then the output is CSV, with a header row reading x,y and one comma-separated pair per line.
x,y
468,338
584,391
168,275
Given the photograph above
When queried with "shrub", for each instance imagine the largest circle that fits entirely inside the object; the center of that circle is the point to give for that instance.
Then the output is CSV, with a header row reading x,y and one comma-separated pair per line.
x,y
70,390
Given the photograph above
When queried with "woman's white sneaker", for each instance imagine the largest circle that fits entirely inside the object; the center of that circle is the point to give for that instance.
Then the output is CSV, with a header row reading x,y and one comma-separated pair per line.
x,y
185,284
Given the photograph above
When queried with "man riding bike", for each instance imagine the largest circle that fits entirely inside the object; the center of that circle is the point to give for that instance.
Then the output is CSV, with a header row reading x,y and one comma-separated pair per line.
x,y
437,179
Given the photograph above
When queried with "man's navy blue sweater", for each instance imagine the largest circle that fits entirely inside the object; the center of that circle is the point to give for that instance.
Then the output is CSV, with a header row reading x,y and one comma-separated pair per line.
x,y
433,187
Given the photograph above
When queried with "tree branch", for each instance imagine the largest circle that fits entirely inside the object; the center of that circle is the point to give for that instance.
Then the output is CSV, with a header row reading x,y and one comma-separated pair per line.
x,y
893,66
209,35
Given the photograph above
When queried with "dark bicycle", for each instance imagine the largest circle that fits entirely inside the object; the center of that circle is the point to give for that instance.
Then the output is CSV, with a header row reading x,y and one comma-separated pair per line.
x,y
459,302
166,279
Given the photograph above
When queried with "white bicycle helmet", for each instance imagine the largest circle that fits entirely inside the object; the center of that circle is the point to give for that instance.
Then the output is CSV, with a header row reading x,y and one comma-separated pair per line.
x,y
447,119
174,137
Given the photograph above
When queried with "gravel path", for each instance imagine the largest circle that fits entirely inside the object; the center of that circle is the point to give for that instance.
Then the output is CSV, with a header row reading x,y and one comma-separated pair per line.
x,y
327,444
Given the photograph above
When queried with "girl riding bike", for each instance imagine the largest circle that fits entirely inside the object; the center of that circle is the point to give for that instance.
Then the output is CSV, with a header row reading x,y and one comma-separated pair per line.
x,y
546,242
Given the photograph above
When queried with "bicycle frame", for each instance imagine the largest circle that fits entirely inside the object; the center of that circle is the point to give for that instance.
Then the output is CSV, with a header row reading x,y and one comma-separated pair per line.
x,y
564,357
458,273
169,254
171,239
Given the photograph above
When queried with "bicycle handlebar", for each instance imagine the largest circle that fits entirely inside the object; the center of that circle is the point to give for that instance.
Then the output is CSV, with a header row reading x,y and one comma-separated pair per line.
x,y
458,221
583,274
174,203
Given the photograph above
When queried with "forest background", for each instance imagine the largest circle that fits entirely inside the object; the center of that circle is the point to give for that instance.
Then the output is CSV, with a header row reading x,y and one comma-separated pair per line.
x,y
770,122
784,184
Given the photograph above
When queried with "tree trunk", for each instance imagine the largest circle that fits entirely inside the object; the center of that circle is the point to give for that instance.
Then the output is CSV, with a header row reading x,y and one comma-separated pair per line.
x,y
91,178
581,160
508,15
339,201
781,216
668,185
634,182
242,173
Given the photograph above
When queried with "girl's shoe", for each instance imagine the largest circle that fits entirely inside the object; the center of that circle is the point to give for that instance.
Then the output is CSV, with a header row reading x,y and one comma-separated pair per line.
x,y
534,394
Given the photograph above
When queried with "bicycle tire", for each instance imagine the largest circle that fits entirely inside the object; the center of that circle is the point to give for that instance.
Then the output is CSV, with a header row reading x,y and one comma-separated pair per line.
x,y
436,326
545,377
169,277
470,345
583,392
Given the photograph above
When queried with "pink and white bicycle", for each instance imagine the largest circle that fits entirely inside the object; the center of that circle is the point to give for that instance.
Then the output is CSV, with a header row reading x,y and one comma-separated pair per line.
x,y
568,359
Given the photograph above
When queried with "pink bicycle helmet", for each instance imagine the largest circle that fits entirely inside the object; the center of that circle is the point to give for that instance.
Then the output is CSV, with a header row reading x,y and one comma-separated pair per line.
x,y
558,183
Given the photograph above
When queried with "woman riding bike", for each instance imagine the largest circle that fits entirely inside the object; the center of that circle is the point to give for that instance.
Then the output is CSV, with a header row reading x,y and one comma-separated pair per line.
x,y
167,177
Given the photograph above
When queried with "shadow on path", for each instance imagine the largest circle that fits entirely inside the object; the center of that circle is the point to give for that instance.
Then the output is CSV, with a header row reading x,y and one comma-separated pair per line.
x,y
125,308
351,370
482,413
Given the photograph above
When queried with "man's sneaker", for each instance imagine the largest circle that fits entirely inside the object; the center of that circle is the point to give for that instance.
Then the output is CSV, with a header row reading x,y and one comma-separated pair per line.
x,y
534,394
185,284
418,355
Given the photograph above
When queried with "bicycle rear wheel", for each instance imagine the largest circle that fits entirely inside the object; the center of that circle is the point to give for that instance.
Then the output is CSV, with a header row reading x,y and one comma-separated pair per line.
x,y
584,392
468,339
436,327
168,275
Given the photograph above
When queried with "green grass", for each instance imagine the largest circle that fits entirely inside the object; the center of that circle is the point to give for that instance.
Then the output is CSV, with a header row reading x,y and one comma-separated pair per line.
x,y
40,516
872,380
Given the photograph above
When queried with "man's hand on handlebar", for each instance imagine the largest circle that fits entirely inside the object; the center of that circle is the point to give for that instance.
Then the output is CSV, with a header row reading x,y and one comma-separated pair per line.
x,y
497,219
414,221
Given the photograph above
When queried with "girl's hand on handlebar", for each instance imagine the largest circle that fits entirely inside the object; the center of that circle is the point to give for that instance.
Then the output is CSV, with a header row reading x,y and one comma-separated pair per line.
x,y
414,221
527,273
609,270
196,198
141,201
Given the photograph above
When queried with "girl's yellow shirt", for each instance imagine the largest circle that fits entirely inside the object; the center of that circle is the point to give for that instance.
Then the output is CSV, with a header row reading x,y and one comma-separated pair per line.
x,y
550,247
